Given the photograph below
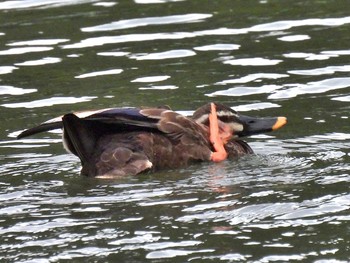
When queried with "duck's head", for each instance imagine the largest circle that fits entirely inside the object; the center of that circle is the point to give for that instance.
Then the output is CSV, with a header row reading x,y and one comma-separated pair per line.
x,y
232,124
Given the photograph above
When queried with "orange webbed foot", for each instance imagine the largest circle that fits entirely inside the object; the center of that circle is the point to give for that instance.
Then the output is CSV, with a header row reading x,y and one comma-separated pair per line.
x,y
220,153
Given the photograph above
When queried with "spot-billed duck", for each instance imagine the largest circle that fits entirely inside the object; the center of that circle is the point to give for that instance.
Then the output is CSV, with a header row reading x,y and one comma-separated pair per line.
x,y
127,141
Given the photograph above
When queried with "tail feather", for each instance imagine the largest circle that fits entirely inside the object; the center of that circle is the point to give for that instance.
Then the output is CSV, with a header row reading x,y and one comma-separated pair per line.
x,y
81,138
41,128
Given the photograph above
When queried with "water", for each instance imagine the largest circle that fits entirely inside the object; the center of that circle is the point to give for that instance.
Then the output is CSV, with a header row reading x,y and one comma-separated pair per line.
x,y
288,203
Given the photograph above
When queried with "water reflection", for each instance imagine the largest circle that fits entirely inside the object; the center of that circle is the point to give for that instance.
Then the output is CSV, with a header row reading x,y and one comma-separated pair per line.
x,y
244,208
7,69
253,62
38,42
8,5
256,77
148,21
314,87
24,50
100,73
321,71
40,62
216,47
151,79
9,90
294,38
179,53
47,102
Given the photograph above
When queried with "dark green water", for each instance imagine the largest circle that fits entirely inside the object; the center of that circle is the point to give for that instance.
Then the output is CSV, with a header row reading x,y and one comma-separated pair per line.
x,y
288,203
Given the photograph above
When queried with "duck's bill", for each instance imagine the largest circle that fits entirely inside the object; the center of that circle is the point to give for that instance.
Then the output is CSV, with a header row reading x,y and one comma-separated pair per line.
x,y
252,126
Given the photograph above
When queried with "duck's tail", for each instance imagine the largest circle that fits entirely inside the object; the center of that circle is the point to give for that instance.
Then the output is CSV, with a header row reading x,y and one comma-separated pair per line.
x,y
80,138
48,126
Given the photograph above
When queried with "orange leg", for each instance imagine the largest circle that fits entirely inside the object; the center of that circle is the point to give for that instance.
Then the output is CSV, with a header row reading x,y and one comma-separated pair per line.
x,y
220,153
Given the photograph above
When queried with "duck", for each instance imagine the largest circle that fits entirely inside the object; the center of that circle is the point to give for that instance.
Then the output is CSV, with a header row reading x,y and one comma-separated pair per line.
x,y
117,142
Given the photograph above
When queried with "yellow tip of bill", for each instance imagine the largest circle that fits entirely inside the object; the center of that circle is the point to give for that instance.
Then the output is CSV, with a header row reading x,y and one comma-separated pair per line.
x,y
281,121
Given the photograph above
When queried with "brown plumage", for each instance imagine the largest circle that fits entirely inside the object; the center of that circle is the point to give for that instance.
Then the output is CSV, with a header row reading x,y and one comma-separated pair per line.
x,y
128,141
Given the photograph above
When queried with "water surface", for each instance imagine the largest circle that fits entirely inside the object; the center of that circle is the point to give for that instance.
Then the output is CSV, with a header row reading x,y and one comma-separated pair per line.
x,y
289,202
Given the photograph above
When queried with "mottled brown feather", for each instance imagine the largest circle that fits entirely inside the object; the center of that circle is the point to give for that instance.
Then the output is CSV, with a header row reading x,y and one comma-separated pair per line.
x,y
133,153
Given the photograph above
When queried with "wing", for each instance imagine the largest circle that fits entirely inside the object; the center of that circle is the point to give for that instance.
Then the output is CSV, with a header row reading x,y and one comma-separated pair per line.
x,y
115,119
178,127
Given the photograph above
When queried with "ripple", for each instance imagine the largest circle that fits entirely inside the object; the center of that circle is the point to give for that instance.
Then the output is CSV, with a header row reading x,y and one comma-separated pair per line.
x,y
317,207
15,209
217,47
336,52
131,219
321,71
231,257
178,53
22,165
329,155
274,26
39,62
282,258
105,4
244,91
100,41
38,42
151,79
312,88
287,214
7,69
7,5
171,253
48,242
253,62
323,55
145,237
164,87
77,253
309,56
155,1
342,98
167,202
321,138
27,143
288,24
294,38
37,226
289,201
256,106
49,102
202,207
24,50
129,196
9,90
261,194
163,245
147,21
113,54
255,77
244,215
100,73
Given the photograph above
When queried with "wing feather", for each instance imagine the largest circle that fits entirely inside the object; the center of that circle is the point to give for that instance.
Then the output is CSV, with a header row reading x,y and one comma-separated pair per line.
x,y
116,118
178,127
